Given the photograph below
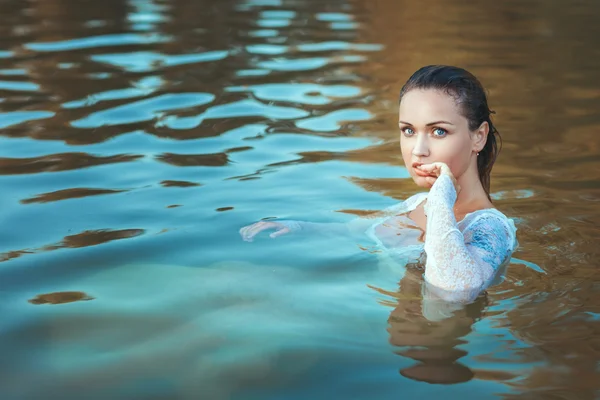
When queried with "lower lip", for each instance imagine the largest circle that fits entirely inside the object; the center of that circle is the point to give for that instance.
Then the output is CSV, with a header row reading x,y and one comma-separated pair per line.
x,y
418,172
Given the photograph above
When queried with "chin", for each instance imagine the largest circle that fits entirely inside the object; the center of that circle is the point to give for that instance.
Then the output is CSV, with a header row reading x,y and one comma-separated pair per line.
x,y
421,182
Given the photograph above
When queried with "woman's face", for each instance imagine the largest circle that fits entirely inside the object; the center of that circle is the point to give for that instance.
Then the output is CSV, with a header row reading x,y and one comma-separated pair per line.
x,y
432,129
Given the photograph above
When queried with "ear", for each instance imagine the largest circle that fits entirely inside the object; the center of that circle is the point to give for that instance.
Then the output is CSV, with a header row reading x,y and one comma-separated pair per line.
x,y
479,137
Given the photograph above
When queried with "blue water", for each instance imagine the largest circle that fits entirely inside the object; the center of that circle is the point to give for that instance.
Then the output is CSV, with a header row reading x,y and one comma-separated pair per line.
x,y
137,137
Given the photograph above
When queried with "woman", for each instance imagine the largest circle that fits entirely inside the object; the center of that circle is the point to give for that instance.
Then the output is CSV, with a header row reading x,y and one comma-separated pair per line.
x,y
449,146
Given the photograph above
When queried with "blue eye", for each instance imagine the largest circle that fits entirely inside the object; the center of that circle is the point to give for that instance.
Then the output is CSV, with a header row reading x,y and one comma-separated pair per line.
x,y
439,132
408,131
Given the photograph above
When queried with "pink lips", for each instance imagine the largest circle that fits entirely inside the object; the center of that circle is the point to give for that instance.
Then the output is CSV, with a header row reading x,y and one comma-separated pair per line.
x,y
418,172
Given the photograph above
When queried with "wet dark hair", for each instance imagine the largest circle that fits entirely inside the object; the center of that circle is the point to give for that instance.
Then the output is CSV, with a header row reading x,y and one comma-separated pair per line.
x,y
470,96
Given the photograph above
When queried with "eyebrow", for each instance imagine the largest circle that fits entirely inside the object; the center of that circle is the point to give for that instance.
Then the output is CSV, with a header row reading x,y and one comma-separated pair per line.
x,y
429,124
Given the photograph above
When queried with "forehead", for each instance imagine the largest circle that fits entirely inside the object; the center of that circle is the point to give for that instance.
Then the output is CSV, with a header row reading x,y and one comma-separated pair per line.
x,y
427,105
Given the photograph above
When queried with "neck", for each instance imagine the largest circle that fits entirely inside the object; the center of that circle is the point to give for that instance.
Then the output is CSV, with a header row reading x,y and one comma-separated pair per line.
x,y
472,194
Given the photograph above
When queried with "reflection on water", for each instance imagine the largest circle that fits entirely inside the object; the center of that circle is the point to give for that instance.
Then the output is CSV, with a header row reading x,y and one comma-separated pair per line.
x,y
83,239
57,162
429,330
138,136
60,298
67,194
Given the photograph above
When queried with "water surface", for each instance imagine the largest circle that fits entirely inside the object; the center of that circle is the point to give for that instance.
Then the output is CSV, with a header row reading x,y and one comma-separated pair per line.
x,y
137,137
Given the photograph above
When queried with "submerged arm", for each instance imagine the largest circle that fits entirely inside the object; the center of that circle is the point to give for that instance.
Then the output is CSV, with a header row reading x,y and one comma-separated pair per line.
x,y
355,227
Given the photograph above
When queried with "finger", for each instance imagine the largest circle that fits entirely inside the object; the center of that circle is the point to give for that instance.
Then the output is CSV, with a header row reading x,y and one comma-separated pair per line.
x,y
430,168
245,236
261,226
438,168
279,233
256,228
431,180
444,169
246,230
243,232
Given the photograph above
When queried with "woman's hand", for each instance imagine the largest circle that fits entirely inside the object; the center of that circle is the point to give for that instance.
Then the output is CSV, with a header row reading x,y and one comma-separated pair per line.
x,y
436,170
248,232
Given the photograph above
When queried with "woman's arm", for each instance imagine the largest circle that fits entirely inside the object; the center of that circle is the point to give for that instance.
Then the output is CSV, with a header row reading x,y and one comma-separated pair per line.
x,y
355,227
459,267
282,227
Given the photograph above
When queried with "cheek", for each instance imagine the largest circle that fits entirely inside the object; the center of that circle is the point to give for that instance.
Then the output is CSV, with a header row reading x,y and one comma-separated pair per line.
x,y
406,150
455,153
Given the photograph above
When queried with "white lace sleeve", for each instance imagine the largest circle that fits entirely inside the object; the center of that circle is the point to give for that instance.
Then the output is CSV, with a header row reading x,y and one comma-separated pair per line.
x,y
459,266
354,227
357,226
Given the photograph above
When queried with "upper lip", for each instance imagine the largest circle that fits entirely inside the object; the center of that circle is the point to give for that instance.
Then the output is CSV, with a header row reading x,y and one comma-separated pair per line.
x,y
417,164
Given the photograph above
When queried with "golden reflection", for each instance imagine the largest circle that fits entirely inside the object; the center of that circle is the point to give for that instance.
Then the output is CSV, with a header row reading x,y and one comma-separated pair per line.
x,y
384,153
60,298
58,162
83,239
169,183
194,160
9,255
96,237
68,194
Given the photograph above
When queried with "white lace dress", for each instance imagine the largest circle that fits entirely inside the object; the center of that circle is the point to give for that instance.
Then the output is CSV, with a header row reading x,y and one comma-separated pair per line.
x,y
463,257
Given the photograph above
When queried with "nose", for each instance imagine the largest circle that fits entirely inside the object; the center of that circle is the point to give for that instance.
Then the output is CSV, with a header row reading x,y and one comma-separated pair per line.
x,y
421,148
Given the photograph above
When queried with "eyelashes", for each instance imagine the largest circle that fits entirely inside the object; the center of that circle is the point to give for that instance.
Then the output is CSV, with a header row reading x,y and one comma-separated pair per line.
x,y
443,132
407,131
436,132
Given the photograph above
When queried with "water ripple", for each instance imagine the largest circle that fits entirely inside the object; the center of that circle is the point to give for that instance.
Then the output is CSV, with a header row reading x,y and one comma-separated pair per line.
x,y
83,239
194,160
263,33
59,162
143,110
306,64
277,14
150,61
73,193
18,117
304,93
339,45
273,23
171,116
60,298
13,72
143,87
242,108
121,39
334,17
19,86
181,184
334,120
